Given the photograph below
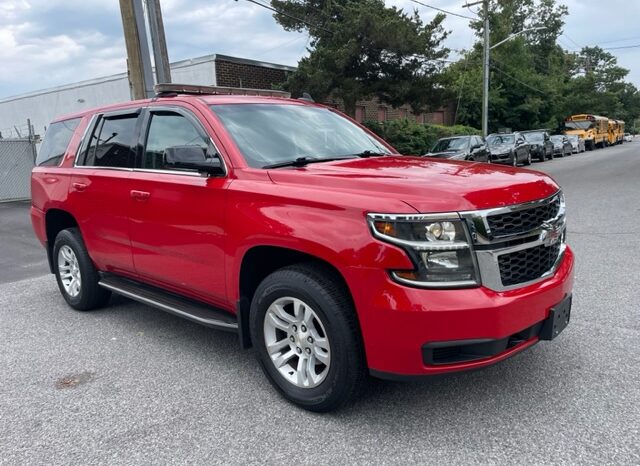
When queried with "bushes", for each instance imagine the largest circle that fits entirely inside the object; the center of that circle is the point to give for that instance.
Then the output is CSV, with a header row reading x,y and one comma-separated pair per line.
x,y
411,138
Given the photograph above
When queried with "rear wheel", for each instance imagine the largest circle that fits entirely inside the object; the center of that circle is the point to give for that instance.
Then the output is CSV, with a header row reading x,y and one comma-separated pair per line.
x,y
76,275
306,335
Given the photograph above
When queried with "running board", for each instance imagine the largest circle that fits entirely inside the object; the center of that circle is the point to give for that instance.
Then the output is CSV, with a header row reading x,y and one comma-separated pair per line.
x,y
169,302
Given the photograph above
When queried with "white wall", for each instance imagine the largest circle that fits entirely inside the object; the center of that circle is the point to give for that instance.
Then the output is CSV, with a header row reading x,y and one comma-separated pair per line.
x,y
43,106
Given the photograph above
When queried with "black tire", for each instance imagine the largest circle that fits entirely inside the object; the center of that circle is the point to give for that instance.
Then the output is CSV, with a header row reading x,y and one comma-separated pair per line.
x,y
317,286
527,161
514,159
91,295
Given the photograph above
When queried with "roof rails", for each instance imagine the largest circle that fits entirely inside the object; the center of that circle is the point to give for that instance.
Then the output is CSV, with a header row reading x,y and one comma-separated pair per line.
x,y
166,89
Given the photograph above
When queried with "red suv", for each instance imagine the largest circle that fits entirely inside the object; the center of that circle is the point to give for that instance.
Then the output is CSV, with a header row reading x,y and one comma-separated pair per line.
x,y
292,225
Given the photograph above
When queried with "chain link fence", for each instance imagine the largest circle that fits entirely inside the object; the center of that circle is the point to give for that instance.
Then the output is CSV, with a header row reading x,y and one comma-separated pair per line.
x,y
17,156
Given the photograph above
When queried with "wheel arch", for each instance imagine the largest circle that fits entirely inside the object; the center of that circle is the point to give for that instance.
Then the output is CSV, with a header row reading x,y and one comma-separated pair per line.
x,y
260,261
56,220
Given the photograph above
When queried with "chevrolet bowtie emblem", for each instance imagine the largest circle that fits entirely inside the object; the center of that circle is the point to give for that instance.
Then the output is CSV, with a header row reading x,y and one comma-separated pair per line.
x,y
550,234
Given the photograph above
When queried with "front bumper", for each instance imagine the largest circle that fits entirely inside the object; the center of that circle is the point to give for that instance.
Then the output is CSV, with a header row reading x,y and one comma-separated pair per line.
x,y
501,158
397,322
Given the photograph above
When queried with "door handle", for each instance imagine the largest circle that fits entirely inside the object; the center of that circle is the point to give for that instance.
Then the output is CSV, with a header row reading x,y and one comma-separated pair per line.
x,y
140,195
79,186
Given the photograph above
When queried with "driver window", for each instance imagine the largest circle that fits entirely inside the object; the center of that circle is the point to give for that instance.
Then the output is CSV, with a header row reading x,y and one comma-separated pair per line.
x,y
169,129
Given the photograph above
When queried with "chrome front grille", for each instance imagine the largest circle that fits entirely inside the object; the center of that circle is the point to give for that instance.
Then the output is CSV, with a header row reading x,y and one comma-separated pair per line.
x,y
527,264
518,245
521,221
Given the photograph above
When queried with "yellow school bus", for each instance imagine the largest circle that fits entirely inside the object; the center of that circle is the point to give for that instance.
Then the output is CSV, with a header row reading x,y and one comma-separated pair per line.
x,y
618,132
593,129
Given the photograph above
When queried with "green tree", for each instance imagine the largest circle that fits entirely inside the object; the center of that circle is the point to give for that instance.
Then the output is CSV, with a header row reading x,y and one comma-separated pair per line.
x,y
361,48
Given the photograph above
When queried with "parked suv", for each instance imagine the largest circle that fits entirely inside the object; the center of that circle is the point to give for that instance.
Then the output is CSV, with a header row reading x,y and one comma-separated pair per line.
x,y
540,144
472,148
510,149
304,233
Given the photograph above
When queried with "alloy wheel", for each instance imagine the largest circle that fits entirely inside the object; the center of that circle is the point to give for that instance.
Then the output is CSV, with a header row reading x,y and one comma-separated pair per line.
x,y
297,342
69,270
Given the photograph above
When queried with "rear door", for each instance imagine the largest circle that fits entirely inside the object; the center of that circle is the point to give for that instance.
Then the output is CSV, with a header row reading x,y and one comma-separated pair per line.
x,y
177,216
99,192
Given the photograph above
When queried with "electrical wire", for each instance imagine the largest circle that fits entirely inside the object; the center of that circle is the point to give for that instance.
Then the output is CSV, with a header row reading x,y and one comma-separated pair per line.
x,y
268,7
516,79
622,47
444,11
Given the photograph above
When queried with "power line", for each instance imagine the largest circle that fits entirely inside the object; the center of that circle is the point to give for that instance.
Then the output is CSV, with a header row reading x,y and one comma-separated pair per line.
x,y
516,79
572,41
622,47
268,7
444,11
619,40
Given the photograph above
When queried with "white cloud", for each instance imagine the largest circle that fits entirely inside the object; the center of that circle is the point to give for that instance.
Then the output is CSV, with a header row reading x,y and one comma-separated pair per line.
x,y
49,42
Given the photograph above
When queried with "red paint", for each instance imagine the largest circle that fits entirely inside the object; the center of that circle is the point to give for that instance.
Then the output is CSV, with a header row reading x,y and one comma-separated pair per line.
x,y
190,234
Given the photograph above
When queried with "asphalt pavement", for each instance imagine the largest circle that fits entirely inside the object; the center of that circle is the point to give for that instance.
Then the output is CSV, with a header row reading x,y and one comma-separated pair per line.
x,y
130,385
21,254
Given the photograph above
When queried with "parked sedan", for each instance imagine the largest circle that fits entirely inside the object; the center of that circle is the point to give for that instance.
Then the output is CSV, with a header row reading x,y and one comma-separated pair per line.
x,y
561,145
460,148
511,149
577,144
541,145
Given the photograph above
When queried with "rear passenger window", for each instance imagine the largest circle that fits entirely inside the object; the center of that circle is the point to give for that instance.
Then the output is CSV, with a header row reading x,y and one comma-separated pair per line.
x,y
56,141
168,129
112,143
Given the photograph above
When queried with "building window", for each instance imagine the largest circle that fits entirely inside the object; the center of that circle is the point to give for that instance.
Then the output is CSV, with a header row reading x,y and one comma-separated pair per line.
x,y
382,113
360,113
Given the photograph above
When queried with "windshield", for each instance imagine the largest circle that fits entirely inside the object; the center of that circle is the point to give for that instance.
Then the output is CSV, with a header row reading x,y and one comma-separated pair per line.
x,y
534,137
450,144
572,137
556,138
579,124
269,134
497,139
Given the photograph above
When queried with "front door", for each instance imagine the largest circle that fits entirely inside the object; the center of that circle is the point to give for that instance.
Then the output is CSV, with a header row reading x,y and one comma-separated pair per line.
x,y
177,217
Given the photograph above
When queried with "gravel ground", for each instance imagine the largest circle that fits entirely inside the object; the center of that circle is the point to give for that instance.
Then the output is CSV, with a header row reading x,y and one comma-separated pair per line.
x,y
130,385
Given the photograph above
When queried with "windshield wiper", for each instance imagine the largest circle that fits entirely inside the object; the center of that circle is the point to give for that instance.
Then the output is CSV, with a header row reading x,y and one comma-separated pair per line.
x,y
369,153
302,161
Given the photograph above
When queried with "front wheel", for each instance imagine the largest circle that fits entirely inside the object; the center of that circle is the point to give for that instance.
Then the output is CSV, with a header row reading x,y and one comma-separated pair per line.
x,y
528,159
76,275
514,159
306,335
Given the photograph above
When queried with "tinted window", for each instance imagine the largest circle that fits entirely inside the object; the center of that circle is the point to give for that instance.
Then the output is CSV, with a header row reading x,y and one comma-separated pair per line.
x,y
169,129
56,141
274,133
112,143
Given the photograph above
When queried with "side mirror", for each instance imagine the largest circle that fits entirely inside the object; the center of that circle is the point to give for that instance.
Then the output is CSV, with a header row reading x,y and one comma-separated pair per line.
x,y
192,158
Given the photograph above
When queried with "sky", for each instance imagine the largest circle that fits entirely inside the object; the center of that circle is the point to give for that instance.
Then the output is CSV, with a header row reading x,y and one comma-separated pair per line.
x,y
45,43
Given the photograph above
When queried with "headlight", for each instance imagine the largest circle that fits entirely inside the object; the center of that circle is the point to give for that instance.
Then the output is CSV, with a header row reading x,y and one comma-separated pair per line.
x,y
438,245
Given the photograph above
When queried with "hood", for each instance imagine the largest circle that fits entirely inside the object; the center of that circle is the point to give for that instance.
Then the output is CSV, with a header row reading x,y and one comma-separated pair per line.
x,y
445,154
500,148
581,133
426,184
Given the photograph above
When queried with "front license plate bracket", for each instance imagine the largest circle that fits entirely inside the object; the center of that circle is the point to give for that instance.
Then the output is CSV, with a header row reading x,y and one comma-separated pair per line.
x,y
557,321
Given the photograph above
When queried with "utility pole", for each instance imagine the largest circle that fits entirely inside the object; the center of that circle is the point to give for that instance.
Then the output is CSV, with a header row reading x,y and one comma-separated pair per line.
x,y
138,58
158,42
485,64
485,71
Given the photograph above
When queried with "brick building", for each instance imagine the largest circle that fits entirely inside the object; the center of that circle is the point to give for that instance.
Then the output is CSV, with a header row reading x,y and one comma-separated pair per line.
x,y
241,72
41,107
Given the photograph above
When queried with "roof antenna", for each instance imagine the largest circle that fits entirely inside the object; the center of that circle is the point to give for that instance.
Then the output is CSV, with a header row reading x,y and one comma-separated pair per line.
x,y
306,96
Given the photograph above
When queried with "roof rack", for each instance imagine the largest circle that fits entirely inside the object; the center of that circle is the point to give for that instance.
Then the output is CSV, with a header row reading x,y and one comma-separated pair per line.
x,y
162,89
